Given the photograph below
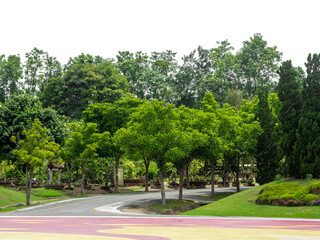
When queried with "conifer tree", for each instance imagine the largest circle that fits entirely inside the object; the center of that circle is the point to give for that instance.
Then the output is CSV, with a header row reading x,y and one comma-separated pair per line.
x,y
267,148
290,96
307,147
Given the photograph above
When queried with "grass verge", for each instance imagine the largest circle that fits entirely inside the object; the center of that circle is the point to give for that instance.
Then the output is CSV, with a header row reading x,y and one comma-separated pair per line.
x,y
13,196
242,204
171,204
9,197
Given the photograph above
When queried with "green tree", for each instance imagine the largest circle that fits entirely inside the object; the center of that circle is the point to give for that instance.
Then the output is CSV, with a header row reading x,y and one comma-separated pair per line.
x,y
10,74
191,138
308,141
290,96
38,69
191,77
34,150
83,144
111,117
18,113
225,76
267,155
152,132
83,84
258,65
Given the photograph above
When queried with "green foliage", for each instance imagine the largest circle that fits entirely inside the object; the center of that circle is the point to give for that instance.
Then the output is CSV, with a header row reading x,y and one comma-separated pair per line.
x,y
14,173
314,186
277,177
309,176
150,77
83,84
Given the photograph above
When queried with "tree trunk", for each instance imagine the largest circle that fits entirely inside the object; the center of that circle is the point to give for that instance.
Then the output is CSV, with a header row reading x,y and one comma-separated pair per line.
x,y
69,173
146,164
187,176
212,179
77,175
237,176
251,165
116,178
224,173
27,187
82,177
163,193
182,169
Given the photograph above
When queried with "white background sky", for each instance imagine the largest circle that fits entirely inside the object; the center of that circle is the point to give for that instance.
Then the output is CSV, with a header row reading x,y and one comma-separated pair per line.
x,y
66,28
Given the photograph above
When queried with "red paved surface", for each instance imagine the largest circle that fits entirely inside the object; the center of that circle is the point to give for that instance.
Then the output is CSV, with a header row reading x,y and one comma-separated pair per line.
x,y
153,228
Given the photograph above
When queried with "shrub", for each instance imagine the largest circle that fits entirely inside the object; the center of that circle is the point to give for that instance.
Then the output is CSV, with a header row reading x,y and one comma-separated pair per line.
x,y
309,176
310,197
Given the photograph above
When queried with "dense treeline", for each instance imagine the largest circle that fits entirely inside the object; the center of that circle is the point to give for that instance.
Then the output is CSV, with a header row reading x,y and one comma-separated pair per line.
x,y
216,106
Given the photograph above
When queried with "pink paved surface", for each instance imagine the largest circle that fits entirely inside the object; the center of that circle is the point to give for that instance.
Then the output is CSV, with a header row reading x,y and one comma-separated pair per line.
x,y
155,228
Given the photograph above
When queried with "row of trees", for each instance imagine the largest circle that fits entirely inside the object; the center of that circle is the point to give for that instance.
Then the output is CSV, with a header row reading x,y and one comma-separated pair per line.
x,y
85,79
152,109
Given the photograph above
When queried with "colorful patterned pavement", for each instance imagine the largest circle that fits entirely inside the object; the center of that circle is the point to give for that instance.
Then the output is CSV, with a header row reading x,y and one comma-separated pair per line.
x,y
115,228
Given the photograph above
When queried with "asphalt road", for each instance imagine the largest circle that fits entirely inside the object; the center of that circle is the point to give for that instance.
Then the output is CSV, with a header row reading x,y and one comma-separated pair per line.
x,y
107,205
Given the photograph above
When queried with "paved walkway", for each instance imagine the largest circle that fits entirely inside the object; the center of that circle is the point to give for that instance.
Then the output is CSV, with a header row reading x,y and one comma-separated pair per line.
x,y
115,228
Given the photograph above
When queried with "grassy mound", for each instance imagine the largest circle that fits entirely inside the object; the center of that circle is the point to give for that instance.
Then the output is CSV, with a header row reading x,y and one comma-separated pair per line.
x,y
243,204
301,192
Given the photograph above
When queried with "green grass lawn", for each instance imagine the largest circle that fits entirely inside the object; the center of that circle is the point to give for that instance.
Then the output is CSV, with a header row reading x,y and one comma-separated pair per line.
x,y
47,193
10,197
242,204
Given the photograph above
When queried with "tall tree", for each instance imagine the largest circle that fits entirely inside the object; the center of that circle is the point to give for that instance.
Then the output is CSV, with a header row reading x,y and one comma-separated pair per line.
x,y
225,68
10,76
267,155
84,84
191,77
38,69
307,146
290,96
151,77
258,64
